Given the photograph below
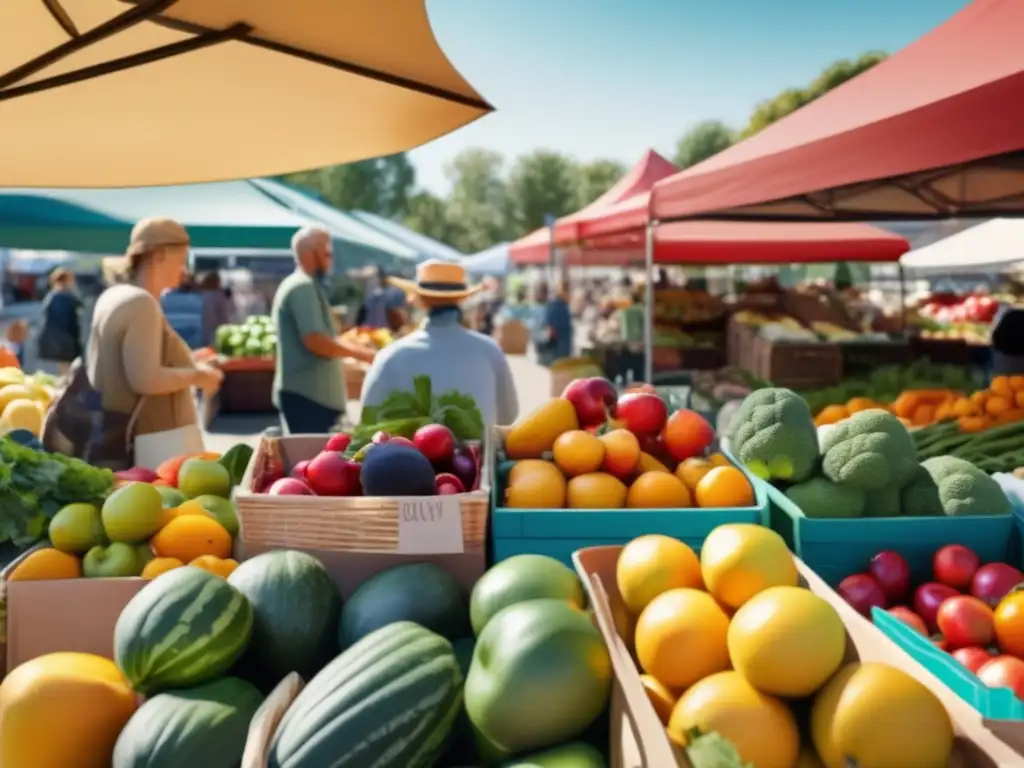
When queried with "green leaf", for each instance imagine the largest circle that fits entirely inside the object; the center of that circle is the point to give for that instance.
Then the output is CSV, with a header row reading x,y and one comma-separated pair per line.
x,y
369,414
459,412
424,393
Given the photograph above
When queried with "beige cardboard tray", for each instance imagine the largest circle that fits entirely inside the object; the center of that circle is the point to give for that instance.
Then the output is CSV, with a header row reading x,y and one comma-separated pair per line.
x,y
267,718
976,746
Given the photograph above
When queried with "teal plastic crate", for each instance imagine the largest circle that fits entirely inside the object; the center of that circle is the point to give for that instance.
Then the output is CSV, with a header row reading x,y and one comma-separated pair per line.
x,y
834,549
560,532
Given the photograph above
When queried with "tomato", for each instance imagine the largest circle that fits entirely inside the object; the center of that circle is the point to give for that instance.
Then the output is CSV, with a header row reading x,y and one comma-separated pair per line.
x,y
862,592
1004,672
955,565
1009,624
892,573
965,621
995,581
973,658
909,618
927,599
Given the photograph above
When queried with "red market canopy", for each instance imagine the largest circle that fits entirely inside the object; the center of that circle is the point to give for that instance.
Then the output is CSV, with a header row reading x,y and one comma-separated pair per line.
x,y
934,131
627,216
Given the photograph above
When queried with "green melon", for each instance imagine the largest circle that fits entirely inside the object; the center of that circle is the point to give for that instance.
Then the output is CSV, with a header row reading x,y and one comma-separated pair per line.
x,y
522,578
389,700
205,727
575,754
421,593
185,627
296,606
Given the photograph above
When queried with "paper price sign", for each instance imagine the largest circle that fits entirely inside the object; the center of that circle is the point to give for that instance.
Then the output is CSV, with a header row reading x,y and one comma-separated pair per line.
x,y
430,525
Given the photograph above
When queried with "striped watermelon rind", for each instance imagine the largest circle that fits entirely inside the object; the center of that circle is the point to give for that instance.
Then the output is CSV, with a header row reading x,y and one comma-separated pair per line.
x,y
389,701
185,627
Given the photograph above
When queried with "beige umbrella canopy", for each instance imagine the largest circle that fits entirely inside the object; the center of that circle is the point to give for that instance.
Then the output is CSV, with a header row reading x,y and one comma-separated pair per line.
x,y
114,93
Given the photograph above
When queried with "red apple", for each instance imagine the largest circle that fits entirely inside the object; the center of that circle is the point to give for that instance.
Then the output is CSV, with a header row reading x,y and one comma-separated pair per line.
x,y
994,581
448,484
643,413
331,474
271,475
892,573
972,657
436,442
955,566
593,399
338,442
1004,672
289,486
909,618
299,470
965,621
927,599
862,592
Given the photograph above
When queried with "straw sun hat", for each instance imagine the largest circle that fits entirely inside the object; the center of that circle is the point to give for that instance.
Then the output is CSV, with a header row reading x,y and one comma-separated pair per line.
x,y
437,279
150,234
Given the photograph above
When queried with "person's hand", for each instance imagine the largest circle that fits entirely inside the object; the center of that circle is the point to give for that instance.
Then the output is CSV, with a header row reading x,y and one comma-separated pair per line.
x,y
208,378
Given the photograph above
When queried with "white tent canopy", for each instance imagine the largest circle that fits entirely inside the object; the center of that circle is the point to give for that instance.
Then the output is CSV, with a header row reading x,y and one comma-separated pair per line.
x,y
994,246
492,262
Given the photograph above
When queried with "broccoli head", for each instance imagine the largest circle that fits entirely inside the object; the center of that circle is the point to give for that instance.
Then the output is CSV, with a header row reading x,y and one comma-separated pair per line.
x,y
886,502
920,497
871,450
821,498
966,490
774,435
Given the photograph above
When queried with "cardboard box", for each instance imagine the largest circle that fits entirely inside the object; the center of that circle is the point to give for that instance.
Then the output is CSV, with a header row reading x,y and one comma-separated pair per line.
x,y
976,746
513,337
267,718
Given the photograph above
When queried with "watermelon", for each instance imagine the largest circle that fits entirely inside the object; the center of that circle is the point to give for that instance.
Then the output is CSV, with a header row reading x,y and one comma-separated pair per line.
x,y
421,593
389,700
296,607
185,627
203,726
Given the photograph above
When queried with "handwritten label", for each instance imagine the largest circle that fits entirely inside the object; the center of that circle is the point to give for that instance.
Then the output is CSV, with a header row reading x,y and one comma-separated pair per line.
x,y
430,525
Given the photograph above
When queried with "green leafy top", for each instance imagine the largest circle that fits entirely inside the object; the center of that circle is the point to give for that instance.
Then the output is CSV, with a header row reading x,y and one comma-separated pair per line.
x,y
712,751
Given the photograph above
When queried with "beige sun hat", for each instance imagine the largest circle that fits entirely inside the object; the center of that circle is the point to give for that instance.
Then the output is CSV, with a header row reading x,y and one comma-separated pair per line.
x,y
150,234
436,279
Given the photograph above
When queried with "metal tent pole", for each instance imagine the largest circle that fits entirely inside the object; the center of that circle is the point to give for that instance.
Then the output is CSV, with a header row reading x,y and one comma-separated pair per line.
x,y
649,304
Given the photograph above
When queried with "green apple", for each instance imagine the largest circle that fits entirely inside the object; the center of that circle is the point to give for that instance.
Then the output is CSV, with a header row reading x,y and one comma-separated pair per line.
x,y
77,528
133,513
172,496
222,509
115,561
144,552
198,477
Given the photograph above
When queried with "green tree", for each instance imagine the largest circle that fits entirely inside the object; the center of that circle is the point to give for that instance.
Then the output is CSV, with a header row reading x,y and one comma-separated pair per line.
x,y
596,178
382,185
428,215
702,141
478,204
540,184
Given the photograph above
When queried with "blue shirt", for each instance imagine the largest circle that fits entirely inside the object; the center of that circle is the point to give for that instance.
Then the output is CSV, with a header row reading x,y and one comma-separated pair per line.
x,y
377,304
453,357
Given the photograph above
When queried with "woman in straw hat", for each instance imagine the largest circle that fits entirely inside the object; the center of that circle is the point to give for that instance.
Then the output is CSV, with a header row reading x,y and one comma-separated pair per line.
x,y
136,361
453,356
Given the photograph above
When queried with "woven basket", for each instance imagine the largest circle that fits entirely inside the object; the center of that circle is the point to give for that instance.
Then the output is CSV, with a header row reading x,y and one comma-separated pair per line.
x,y
337,524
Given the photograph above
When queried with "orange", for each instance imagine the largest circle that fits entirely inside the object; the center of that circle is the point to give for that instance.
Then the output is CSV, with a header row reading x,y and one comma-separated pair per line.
x,y
577,452
724,487
160,565
190,507
661,698
595,490
621,452
690,471
191,536
648,463
658,490
739,560
535,484
719,460
216,565
681,638
46,565
653,564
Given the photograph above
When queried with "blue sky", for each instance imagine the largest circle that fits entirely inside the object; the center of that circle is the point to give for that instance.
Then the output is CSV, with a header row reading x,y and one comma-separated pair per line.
x,y
611,78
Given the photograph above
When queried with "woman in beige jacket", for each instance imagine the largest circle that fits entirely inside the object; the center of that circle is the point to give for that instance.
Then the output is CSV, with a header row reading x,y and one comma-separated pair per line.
x,y
136,361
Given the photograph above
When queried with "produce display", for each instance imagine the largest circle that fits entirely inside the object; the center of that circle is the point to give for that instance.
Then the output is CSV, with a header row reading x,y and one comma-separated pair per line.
x,y
24,399
592,448
364,336
729,643
780,327
256,337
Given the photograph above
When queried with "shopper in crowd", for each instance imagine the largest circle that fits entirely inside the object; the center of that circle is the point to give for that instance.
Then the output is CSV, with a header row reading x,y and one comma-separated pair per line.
x,y
60,338
217,307
1007,344
141,368
552,333
309,380
14,343
453,356
383,303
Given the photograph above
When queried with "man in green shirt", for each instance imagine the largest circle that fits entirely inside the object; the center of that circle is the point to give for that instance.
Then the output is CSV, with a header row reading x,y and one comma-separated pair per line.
x,y
309,381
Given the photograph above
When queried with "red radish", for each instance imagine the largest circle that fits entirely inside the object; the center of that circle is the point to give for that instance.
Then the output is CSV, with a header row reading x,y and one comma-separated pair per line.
x,y
448,484
399,440
380,437
338,442
643,414
862,592
464,468
299,470
1004,672
927,599
436,442
955,566
892,573
972,657
994,581
965,621
289,486
331,474
909,618
593,400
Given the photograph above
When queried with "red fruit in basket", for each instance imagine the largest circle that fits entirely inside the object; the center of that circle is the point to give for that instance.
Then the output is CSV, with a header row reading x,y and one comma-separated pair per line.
x,y
338,442
927,599
448,484
380,437
271,475
955,566
909,618
965,621
892,573
862,592
973,658
642,413
436,442
289,486
399,440
1004,672
687,434
994,581
331,474
593,400
464,467
299,470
